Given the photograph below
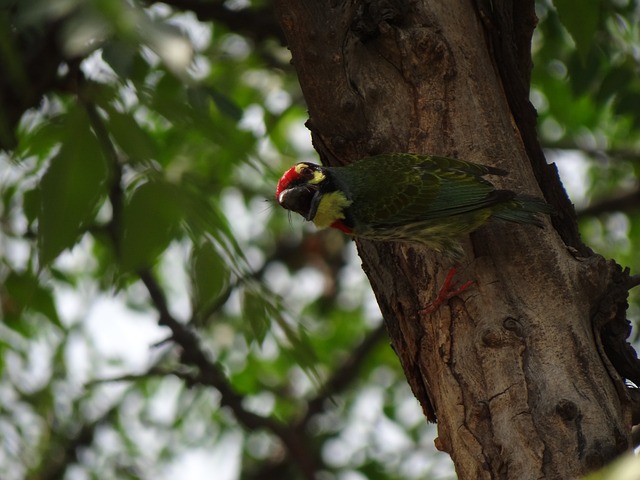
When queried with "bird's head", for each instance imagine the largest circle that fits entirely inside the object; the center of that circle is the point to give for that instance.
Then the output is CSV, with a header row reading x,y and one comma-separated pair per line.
x,y
300,189
313,192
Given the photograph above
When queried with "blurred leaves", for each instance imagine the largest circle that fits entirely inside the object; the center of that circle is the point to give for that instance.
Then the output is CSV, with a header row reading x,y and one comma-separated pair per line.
x,y
581,21
71,187
588,90
151,220
127,162
588,101
210,276
23,291
134,141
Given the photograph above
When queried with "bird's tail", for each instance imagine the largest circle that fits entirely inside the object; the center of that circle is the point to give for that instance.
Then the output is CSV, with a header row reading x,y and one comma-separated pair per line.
x,y
523,209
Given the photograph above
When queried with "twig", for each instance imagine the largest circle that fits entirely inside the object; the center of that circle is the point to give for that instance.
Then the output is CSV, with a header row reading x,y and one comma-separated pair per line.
x,y
256,23
597,154
345,373
624,203
342,377
210,374
63,453
116,194
152,372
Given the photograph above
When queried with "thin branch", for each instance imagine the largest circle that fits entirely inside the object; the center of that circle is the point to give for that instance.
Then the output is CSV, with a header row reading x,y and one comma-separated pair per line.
x,y
256,23
151,373
210,374
192,354
345,373
629,202
632,155
63,451
342,377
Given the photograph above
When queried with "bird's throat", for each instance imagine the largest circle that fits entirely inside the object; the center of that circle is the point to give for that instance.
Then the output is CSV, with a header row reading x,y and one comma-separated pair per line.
x,y
331,210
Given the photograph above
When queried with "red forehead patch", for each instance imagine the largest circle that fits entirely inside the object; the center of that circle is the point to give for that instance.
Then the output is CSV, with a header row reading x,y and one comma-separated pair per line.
x,y
288,177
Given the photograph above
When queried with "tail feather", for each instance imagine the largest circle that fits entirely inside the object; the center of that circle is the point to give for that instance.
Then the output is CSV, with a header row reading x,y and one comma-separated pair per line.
x,y
523,209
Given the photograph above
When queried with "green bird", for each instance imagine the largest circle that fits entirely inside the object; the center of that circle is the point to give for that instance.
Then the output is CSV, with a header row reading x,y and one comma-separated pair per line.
x,y
430,200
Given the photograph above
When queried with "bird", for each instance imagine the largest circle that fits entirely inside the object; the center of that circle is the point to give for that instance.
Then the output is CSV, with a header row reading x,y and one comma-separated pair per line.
x,y
404,197
430,200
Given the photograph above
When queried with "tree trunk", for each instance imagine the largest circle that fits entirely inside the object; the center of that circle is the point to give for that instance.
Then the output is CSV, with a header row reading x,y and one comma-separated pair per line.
x,y
515,367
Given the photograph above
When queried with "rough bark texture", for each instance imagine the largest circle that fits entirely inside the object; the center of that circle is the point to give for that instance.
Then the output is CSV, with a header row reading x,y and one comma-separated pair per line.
x,y
520,369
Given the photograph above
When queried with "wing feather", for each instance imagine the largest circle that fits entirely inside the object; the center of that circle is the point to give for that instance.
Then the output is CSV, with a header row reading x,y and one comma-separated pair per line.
x,y
398,189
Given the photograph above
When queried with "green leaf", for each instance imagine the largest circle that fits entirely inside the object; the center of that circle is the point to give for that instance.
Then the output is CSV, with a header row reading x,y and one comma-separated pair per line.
x,y
263,311
151,220
169,100
209,274
71,188
254,311
31,202
42,139
627,104
581,19
617,80
125,60
226,105
204,217
119,56
135,142
199,99
24,292
584,72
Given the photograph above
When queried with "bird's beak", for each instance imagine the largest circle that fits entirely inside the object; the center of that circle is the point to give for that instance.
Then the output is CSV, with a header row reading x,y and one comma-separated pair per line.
x,y
303,199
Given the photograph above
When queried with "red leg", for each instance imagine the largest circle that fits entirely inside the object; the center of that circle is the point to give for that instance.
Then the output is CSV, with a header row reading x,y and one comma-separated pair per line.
x,y
446,292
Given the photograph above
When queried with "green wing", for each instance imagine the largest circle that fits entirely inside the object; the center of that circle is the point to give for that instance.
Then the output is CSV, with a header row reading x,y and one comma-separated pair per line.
x,y
398,189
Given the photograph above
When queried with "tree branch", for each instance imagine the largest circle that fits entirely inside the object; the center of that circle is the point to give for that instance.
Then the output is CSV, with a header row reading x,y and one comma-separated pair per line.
x,y
626,203
210,374
342,377
345,373
256,23
623,154
63,451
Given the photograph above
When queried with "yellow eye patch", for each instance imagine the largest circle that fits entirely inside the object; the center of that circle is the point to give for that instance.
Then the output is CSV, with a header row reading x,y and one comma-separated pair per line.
x,y
303,170
317,177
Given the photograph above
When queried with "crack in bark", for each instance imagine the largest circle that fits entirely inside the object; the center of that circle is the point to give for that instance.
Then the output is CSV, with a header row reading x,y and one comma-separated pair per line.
x,y
493,397
547,456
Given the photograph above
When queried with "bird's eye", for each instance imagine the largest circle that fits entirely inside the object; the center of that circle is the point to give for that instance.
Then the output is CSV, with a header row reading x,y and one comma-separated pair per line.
x,y
306,172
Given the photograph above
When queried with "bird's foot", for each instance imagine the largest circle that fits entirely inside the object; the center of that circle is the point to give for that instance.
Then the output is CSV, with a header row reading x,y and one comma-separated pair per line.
x,y
447,291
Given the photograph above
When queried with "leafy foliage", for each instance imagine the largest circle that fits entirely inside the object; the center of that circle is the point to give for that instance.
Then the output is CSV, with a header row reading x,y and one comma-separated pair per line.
x,y
587,101
156,309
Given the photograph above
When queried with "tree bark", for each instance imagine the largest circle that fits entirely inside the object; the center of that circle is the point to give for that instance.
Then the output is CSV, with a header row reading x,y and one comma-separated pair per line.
x,y
516,368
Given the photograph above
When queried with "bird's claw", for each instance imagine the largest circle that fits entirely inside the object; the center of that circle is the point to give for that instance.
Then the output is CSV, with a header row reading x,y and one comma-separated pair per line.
x,y
447,291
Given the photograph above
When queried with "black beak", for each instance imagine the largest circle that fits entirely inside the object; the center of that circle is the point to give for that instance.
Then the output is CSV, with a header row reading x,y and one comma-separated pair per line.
x,y
302,199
